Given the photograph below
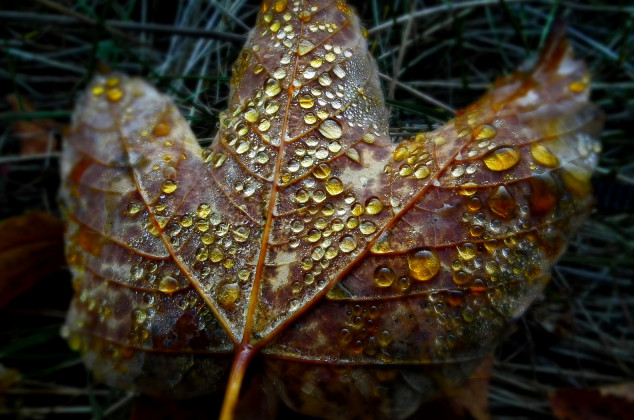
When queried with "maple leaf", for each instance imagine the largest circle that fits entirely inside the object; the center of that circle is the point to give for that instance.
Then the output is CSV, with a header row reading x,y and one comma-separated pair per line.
x,y
367,274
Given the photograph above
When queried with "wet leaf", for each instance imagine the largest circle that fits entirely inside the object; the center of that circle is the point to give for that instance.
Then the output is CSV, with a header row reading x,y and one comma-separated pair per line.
x,y
366,275
31,249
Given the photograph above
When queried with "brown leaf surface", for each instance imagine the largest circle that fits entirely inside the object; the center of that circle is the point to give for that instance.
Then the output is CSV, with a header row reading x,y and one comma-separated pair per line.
x,y
368,275
31,249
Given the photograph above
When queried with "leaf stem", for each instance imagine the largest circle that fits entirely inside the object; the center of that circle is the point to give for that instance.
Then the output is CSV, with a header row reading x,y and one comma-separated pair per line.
x,y
241,361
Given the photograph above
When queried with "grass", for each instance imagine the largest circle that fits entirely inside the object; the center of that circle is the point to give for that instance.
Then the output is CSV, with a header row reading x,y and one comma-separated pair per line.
x,y
434,57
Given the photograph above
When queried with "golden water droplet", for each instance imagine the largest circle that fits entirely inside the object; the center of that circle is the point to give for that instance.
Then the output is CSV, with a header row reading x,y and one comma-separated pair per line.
x,y
330,57
251,115
348,243
422,172
401,153
262,158
474,204
384,277
279,73
216,254
97,90
264,125
322,171
334,147
331,129
543,156
423,264
337,225
215,219
353,154
241,233
367,228
243,147
280,5
306,101
310,118
352,222
169,186
133,208
357,209
272,88
502,203
316,62
168,284
271,107
373,206
405,170
244,274
202,225
313,235
484,132
319,196
186,221
307,264
324,79
468,251
297,226
202,254
207,238
203,210
578,86
228,294
334,186
161,129
318,253
331,252
302,196
502,158
304,47
382,244
114,95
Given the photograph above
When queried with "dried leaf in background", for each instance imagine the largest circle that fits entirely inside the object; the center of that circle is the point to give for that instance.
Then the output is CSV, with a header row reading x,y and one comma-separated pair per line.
x,y
32,248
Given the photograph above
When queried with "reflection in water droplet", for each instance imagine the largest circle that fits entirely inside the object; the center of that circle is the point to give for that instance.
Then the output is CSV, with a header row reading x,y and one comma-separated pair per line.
x,y
384,277
543,156
348,243
334,186
502,203
331,129
373,206
502,159
423,264
228,294
169,186
168,284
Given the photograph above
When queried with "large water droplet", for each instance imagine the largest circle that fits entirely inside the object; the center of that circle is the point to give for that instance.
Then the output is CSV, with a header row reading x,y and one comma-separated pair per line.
x,y
331,129
423,264
502,159
384,277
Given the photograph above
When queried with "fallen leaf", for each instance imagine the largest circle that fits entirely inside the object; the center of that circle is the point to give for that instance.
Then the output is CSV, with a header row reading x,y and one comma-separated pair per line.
x,y
366,276
590,404
32,248
37,136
